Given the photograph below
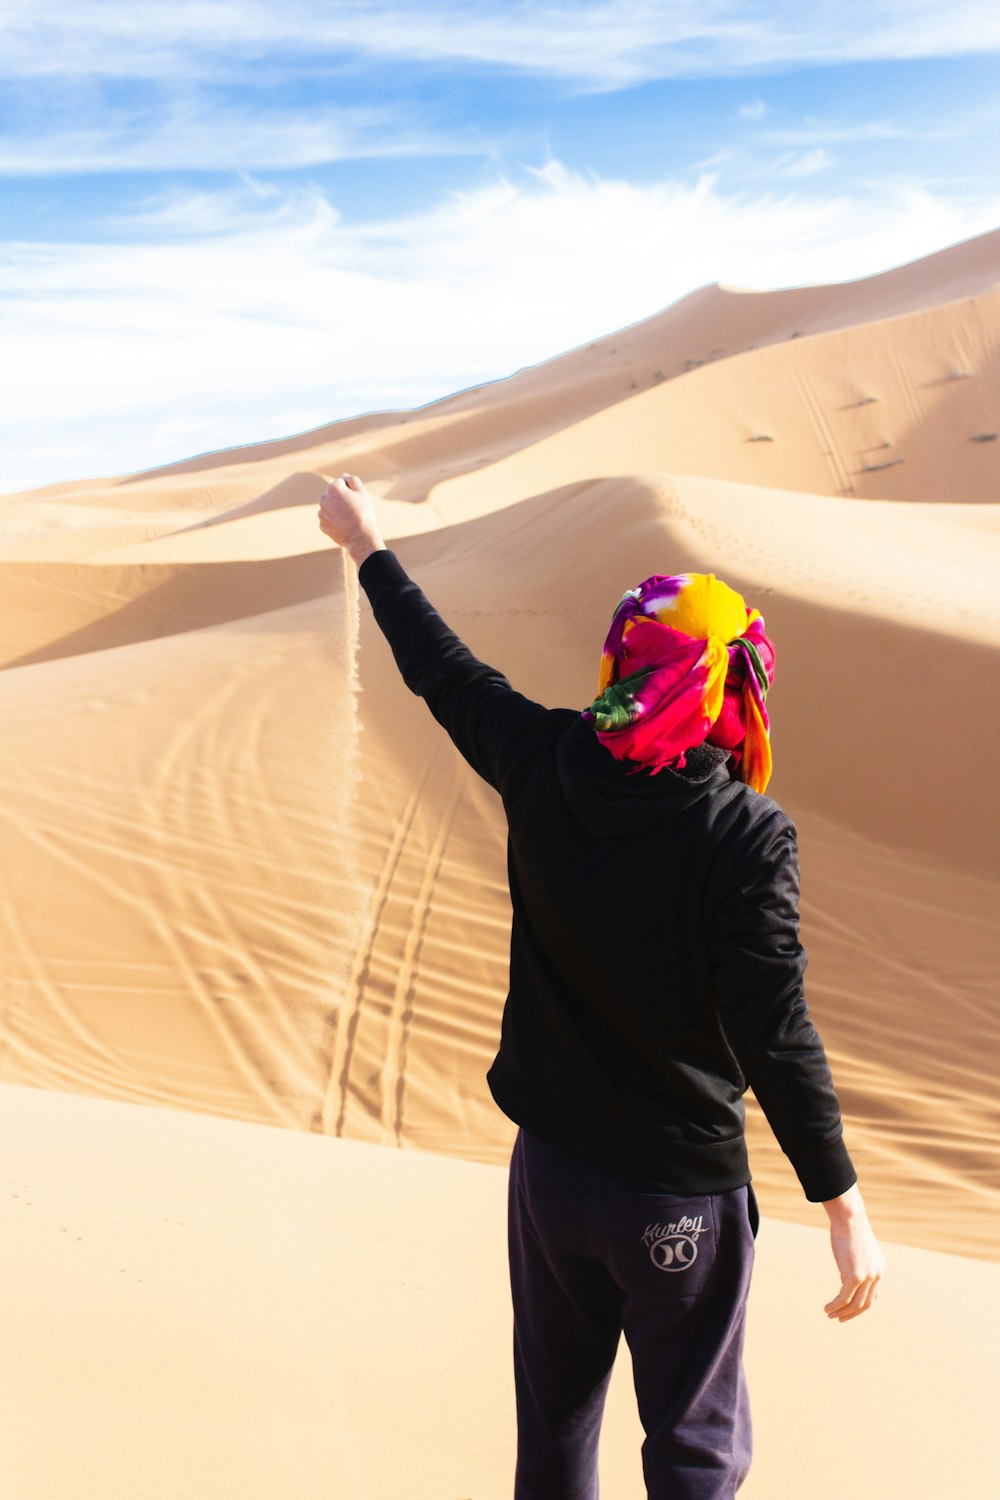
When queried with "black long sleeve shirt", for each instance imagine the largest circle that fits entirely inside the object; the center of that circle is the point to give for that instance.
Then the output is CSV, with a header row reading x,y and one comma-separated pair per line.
x,y
655,965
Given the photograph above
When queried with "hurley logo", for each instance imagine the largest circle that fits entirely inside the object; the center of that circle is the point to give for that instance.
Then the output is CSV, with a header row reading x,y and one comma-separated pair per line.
x,y
674,1247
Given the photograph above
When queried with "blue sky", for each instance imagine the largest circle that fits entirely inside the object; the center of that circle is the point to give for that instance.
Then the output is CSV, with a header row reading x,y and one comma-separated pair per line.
x,y
222,222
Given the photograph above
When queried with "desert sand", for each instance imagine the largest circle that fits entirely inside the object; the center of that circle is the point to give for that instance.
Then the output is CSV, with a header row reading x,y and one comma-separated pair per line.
x,y
255,918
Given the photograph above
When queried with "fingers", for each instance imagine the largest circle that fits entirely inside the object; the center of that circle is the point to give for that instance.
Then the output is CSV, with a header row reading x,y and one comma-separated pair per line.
x,y
852,1299
842,1299
871,1297
347,482
348,489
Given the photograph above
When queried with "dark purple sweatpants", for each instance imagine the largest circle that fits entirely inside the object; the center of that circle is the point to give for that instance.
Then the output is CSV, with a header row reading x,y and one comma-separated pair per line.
x,y
591,1256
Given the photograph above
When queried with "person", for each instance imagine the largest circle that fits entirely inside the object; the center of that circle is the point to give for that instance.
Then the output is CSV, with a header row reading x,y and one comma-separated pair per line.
x,y
656,972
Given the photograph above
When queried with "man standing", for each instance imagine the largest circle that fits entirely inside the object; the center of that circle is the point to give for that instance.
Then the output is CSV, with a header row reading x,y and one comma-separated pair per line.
x,y
655,973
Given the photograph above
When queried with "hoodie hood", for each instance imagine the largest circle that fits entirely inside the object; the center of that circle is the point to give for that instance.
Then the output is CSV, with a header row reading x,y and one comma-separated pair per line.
x,y
610,799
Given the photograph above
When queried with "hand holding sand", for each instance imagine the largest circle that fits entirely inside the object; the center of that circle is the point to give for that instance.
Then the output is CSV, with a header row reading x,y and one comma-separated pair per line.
x,y
347,517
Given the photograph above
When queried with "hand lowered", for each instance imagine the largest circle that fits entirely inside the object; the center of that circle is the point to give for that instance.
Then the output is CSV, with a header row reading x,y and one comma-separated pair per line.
x,y
858,1255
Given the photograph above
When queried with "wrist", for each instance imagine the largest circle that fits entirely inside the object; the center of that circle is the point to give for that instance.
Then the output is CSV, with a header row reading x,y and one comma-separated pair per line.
x,y
849,1205
362,547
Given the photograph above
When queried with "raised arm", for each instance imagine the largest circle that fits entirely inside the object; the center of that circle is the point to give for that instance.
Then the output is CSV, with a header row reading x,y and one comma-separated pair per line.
x,y
490,723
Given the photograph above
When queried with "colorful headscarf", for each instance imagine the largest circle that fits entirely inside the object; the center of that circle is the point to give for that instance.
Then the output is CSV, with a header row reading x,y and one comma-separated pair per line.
x,y
685,660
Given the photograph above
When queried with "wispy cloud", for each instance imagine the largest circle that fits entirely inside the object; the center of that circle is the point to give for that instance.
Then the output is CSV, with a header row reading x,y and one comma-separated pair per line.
x,y
250,306
606,44
803,164
191,133
853,132
188,132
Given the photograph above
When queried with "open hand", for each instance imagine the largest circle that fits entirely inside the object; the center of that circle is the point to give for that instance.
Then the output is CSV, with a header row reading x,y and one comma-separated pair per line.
x,y
860,1262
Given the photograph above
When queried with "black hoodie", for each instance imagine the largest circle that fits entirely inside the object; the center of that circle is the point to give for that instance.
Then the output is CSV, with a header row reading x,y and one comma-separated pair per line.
x,y
655,963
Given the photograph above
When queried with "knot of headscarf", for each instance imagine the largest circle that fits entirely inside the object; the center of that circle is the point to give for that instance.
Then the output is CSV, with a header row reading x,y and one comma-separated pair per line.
x,y
685,660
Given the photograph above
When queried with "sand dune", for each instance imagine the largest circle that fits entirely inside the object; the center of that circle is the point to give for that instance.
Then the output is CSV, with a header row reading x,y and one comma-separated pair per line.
x,y
247,875
905,409
709,325
183,879
224,1309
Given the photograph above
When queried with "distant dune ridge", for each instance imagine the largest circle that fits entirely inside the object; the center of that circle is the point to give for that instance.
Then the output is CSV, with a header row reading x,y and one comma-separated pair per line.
x,y
247,875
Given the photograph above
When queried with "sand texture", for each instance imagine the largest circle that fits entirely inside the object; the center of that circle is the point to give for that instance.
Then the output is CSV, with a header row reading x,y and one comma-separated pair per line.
x,y
230,1311
247,876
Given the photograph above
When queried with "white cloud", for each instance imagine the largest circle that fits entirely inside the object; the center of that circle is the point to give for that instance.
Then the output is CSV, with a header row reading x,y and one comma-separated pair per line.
x,y
806,164
605,43
269,304
811,132
78,125
790,164
208,134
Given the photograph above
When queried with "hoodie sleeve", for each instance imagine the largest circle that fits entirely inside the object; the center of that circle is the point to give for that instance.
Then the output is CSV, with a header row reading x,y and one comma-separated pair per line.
x,y
487,719
758,966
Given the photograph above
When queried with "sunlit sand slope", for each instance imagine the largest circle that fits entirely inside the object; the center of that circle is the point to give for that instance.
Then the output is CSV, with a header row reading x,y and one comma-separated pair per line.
x,y
215,1308
181,893
229,887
